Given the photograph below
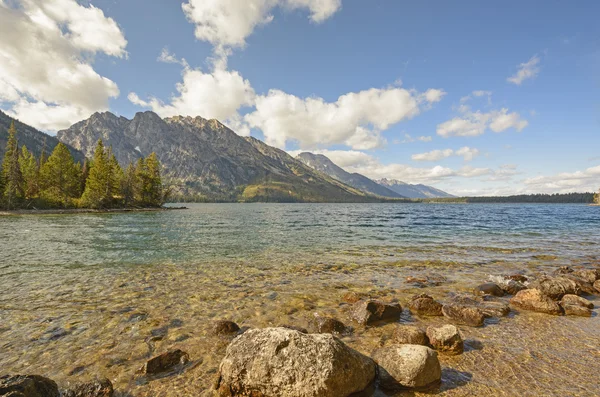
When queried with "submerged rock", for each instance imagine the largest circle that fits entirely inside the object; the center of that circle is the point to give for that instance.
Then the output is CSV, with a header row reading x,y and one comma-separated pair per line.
x,y
328,325
225,327
373,311
446,339
98,388
576,310
535,300
576,300
166,361
488,308
411,366
463,314
286,363
489,289
27,386
556,287
425,305
353,297
409,335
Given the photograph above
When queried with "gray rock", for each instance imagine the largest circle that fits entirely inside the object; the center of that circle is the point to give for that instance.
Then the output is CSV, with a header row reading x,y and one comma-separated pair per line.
x,y
409,335
445,339
535,300
166,362
463,314
27,386
556,287
576,301
489,289
411,366
98,388
286,363
371,311
425,305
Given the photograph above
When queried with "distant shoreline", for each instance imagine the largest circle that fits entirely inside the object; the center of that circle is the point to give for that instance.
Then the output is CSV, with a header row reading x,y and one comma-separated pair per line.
x,y
85,211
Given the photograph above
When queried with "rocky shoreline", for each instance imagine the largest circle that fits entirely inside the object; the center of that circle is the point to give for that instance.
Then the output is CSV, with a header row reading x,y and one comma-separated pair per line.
x,y
86,211
289,361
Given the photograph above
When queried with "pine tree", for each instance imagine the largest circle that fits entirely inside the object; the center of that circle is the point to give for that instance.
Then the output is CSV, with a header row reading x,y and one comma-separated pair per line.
x,y
61,176
128,185
140,183
31,175
154,182
85,172
43,156
11,170
99,187
116,175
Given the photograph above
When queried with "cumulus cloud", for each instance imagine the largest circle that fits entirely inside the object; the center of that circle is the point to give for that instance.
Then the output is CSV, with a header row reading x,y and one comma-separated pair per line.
x,y
356,119
466,153
475,123
527,70
227,23
410,139
587,180
46,54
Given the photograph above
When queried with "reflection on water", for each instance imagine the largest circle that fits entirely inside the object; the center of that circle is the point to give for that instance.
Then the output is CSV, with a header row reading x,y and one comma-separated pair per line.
x,y
97,295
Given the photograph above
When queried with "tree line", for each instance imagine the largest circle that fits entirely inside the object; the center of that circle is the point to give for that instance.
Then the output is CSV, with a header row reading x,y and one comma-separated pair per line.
x,y
57,181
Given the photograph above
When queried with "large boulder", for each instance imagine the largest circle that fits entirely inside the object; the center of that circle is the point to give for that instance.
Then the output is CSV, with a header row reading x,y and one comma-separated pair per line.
x,y
27,386
535,300
556,287
98,388
463,314
409,335
372,311
285,363
411,366
445,339
425,305
489,289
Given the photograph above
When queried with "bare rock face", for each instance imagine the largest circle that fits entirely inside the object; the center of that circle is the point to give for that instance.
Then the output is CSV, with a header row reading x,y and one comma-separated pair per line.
x,y
464,314
225,327
99,388
556,287
577,301
446,339
425,305
328,325
27,386
371,311
489,289
411,366
409,335
166,361
285,363
535,300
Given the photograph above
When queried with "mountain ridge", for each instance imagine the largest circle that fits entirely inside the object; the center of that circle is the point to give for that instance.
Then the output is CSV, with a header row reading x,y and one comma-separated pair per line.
x,y
413,191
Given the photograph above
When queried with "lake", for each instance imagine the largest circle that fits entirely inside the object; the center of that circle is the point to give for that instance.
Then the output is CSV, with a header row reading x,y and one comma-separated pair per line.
x,y
86,295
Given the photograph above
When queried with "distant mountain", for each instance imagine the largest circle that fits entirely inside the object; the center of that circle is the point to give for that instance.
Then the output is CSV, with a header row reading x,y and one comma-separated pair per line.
x,y
324,165
205,160
413,191
30,137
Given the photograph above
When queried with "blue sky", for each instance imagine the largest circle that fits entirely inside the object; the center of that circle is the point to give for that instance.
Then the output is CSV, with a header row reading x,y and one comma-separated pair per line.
x,y
468,96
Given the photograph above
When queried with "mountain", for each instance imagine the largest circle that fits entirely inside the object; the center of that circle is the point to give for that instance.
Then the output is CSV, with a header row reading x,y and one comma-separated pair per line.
x,y
413,191
30,137
324,165
205,160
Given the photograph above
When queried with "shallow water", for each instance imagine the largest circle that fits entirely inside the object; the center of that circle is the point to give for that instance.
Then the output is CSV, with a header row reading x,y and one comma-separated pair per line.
x,y
86,295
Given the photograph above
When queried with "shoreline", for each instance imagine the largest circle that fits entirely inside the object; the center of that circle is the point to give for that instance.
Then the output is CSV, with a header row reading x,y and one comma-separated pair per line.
x,y
66,211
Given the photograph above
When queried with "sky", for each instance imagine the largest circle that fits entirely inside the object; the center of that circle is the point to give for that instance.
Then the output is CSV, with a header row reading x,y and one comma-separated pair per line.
x,y
475,98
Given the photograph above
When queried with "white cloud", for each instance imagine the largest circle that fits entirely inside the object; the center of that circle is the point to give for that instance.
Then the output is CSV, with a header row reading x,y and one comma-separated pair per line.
x,y
409,139
167,57
227,23
587,180
466,153
527,70
475,123
46,50
356,119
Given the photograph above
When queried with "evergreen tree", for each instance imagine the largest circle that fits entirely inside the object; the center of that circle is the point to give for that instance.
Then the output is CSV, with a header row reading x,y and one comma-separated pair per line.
x,y
128,185
31,175
85,173
154,182
43,156
140,183
100,185
116,175
11,170
61,176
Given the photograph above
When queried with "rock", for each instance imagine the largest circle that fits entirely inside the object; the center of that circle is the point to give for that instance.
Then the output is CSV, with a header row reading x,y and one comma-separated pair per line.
x,y
583,285
373,311
563,270
576,300
576,310
285,363
432,280
489,289
488,308
556,287
295,328
411,366
588,275
353,297
166,361
511,287
27,386
425,305
224,327
535,300
409,335
462,314
99,388
597,286
328,325
445,339
518,277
